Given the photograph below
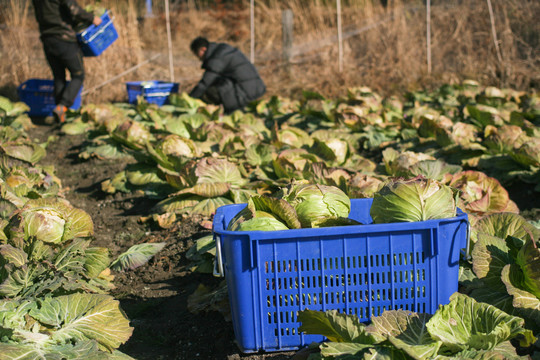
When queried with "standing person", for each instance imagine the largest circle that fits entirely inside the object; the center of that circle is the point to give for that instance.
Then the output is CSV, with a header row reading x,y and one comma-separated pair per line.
x,y
57,20
230,79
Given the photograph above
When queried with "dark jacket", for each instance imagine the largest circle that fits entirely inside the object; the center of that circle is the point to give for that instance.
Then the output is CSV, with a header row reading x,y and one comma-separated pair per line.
x,y
58,18
230,71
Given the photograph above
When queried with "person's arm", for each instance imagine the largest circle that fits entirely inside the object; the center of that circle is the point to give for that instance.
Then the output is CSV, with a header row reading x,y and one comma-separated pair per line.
x,y
207,80
214,68
79,14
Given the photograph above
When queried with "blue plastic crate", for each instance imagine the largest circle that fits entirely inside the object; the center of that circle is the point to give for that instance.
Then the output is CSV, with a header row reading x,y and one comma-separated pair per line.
x,y
95,39
153,91
38,94
359,269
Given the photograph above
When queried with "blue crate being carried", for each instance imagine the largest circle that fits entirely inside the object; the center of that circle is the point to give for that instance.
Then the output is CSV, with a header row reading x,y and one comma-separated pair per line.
x,y
358,269
38,94
153,91
95,39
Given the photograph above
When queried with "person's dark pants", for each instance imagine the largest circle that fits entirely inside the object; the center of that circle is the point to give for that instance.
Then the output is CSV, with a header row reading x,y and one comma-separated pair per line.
x,y
222,92
64,55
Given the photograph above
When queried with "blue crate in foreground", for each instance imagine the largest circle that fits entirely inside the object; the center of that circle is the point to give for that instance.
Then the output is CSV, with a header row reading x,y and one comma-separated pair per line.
x,y
359,269
38,94
153,91
95,39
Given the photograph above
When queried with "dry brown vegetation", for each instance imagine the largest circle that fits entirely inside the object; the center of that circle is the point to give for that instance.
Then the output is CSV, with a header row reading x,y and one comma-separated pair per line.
x,y
384,48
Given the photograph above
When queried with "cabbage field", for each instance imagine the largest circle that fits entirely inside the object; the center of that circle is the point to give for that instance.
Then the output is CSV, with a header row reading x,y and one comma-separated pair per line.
x,y
106,248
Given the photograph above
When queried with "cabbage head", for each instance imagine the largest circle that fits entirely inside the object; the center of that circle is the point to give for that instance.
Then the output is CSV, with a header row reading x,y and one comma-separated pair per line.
x,y
363,186
481,194
398,163
132,134
175,145
261,222
416,199
46,224
315,204
504,139
251,219
54,220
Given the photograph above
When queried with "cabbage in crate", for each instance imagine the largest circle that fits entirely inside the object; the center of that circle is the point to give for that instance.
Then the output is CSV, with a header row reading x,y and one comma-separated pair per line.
x,y
302,205
415,199
317,204
264,213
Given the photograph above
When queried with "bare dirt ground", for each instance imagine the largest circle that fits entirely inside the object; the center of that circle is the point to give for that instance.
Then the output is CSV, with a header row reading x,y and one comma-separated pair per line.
x,y
155,296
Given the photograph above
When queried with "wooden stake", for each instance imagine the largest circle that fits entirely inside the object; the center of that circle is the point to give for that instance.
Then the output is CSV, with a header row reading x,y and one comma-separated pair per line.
x,y
428,34
169,41
340,36
252,28
287,29
494,32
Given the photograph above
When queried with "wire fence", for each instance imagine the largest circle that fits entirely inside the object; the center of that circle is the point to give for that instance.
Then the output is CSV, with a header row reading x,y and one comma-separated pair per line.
x,y
164,61
300,52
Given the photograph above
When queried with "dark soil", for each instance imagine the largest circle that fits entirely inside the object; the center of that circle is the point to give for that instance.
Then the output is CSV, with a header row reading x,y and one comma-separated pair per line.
x,y
155,296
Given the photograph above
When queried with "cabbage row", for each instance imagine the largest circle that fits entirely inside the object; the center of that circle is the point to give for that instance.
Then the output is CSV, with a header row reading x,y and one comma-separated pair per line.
x,y
193,159
54,285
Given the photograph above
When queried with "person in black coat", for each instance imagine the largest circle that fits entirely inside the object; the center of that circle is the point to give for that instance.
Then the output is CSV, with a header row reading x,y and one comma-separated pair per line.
x,y
57,20
230,79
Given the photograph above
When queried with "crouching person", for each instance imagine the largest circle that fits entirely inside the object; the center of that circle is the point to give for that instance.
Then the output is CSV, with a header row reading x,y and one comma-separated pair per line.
x,y
230,79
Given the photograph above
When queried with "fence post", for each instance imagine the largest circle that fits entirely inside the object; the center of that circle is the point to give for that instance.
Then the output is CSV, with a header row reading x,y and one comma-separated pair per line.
x,y
428,34
169,40
340,36
494,32
252,29
287,29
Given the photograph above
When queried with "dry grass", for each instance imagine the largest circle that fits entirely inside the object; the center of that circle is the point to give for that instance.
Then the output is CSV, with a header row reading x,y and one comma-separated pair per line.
x,y
384,49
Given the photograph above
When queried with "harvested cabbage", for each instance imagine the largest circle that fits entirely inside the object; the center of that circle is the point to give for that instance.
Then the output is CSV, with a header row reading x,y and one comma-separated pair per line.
x,y
416,199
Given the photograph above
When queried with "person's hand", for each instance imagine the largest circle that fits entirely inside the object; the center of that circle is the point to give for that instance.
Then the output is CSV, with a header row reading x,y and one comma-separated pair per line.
x,y
96,21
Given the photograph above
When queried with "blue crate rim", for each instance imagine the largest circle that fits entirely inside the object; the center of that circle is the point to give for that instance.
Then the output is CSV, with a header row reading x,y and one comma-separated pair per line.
x,y
23,87
153,84
157,94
